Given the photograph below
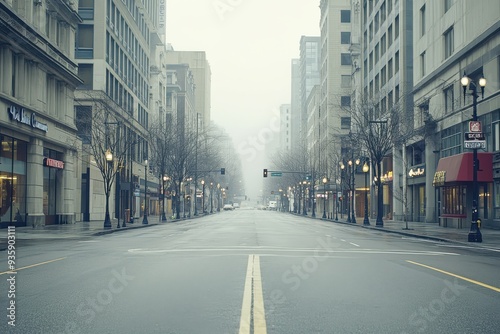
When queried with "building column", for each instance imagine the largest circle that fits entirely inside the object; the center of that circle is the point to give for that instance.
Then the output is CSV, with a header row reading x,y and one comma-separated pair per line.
x,y
34,195
397,186
431,160
69,189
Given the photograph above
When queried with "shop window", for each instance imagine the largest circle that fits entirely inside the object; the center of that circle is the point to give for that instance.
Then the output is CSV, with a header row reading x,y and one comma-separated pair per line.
x,y
453,201
13,157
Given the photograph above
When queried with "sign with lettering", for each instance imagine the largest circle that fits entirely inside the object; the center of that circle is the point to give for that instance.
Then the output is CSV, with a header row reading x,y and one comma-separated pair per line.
x,y
420,171
53,163
20,115
439,178
161,17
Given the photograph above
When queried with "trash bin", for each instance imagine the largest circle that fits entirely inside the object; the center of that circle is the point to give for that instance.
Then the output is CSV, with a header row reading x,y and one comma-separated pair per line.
x,y
127,215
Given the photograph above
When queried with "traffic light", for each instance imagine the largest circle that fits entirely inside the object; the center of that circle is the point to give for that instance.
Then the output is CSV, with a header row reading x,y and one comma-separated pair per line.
x,y
265,172
223,171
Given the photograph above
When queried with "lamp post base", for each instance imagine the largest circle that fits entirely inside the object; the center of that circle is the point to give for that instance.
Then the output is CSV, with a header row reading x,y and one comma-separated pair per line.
x,y
107,222
145,220
475,233
366,221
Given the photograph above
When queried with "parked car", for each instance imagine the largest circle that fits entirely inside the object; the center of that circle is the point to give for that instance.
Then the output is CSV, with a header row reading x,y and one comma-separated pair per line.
x,y
236,205
227,207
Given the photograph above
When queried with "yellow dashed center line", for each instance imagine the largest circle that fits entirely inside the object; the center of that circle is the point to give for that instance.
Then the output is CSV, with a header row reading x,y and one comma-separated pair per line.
x,y
252,308
484,285
31,266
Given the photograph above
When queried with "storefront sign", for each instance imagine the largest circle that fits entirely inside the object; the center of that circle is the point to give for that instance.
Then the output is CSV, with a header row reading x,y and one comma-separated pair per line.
x,y
20,115
387,177
439,178
53,163
161,16
420,171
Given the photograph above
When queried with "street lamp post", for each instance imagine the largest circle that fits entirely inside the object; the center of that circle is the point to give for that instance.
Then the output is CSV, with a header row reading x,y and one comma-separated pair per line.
x,y
218,197
366,169
336,200
163,216
145,218
304,210
342,167
203,196
353,190
109,161
325,180
474,232
211,197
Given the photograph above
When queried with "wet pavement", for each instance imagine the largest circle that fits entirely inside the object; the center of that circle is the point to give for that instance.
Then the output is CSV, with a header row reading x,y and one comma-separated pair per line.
x,y
430,231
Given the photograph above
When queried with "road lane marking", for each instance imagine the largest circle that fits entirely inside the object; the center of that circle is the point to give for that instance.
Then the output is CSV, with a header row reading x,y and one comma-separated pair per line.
x,y
33,265
252,308
352,243
484,285
246,308
259,317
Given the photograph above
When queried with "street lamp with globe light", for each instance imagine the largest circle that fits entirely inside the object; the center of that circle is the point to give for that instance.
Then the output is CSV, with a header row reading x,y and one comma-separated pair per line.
x,y
325,180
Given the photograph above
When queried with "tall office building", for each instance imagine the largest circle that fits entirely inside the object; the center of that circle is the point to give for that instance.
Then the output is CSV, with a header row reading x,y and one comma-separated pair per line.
x,y
309,74
453,38
335,75
295,107
200,69
387,68
116,51
285,128
39,151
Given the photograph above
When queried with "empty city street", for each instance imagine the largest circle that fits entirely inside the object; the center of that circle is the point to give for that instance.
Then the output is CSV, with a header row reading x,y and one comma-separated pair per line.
x,y
252,271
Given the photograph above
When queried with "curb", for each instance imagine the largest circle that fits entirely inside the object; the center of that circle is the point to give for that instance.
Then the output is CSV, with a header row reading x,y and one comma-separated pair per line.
x,y
103,232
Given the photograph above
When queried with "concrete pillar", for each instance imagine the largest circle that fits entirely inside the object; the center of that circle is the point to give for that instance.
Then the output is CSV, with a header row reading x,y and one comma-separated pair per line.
x,y
398,186
431,161
34,196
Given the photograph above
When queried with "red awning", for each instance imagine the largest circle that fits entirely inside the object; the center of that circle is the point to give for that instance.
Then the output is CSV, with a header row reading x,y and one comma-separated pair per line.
x,y
458,168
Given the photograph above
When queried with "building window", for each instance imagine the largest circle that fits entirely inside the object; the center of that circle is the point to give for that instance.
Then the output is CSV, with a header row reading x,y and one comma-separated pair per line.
x,y
389,35
422,21
345,122
396,27
448,99
447,5
345,59
383,76
376,53
396,62
383,45
345,16
422,64
389,69
454,200
448,43
85,42
345,81
496,137
345,101
13,181
345,37
86,72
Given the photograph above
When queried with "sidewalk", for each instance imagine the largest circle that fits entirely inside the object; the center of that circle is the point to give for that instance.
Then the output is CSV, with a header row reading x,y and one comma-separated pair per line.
x,y
430,231
78,230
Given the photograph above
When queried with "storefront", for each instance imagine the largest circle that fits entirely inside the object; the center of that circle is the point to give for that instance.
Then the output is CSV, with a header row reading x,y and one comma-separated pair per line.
x,y
454,177
36,186
416,197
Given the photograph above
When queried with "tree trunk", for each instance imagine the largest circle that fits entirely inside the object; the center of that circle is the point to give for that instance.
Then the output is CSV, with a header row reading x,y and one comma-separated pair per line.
x,y
380,198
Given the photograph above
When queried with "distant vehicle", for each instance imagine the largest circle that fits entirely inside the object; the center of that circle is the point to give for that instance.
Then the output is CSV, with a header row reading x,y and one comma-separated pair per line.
x,y
227,207
236,205
273,205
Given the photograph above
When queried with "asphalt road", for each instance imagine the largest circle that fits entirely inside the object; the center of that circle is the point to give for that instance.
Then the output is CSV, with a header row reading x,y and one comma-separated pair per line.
x,y
249,271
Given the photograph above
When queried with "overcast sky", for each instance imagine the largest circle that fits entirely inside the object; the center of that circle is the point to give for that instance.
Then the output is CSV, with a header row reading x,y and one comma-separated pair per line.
x,y
249,45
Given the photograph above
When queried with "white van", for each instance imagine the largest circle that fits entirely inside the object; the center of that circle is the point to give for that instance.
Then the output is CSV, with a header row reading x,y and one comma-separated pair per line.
x,y
273,205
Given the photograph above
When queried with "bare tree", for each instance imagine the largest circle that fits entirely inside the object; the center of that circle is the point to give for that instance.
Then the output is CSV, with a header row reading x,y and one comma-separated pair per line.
x,y
101,126
377,131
